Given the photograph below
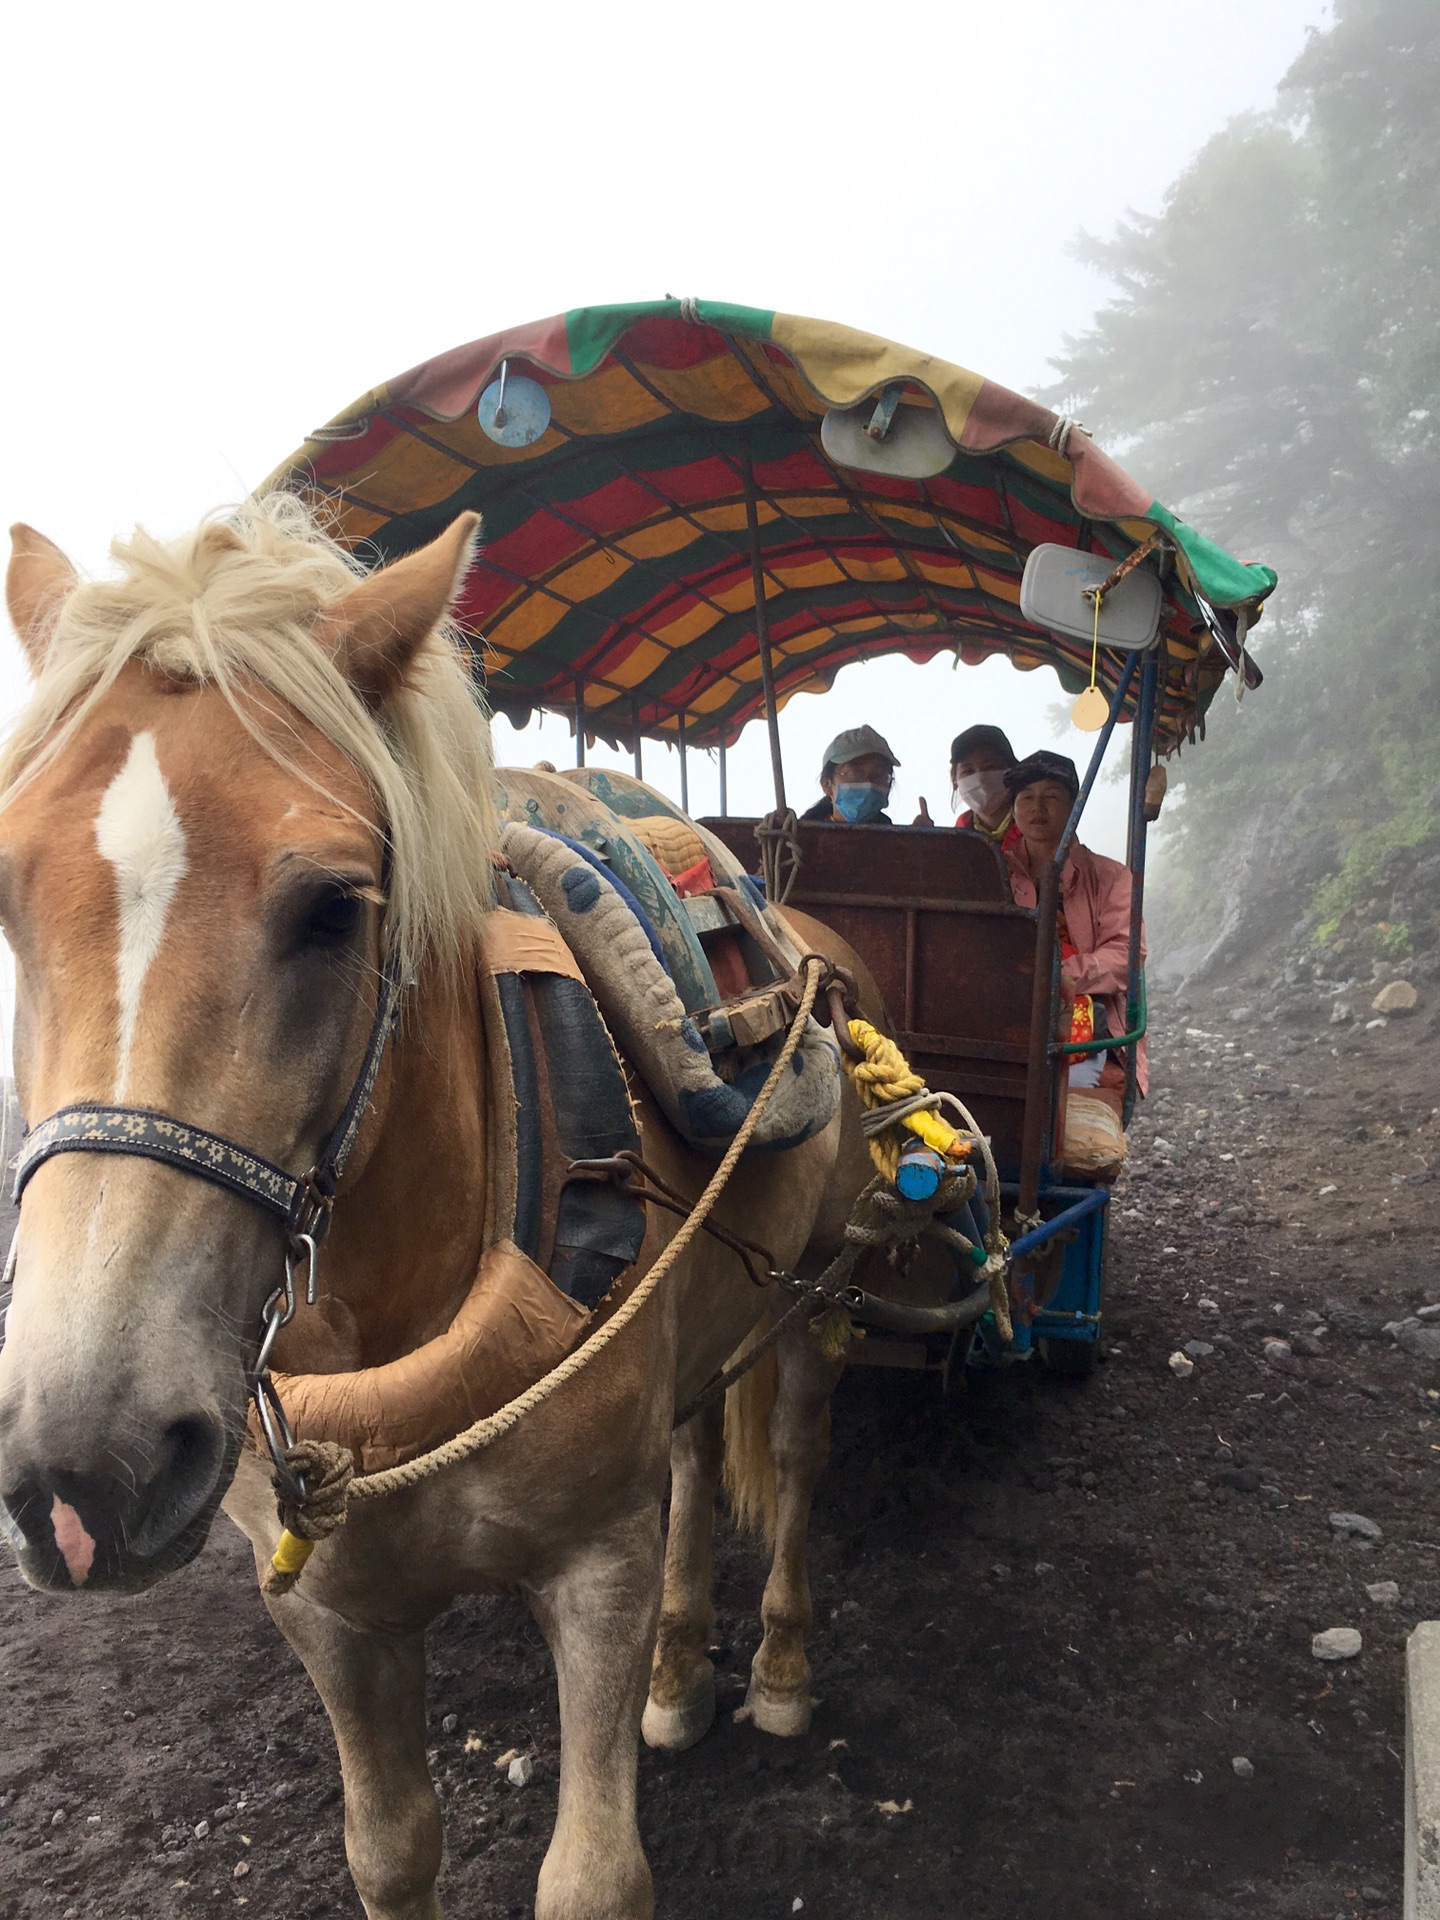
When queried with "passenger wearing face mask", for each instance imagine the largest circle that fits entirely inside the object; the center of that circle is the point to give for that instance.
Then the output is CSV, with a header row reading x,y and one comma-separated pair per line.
x,y
856,777
980,757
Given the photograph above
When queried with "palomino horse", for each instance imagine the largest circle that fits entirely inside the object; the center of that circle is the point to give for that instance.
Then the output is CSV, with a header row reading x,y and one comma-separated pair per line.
x,y
249,777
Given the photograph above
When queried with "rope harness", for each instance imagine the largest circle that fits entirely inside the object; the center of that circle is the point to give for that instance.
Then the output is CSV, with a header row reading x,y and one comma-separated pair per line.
x,y
305,1523
897,1101
315,1480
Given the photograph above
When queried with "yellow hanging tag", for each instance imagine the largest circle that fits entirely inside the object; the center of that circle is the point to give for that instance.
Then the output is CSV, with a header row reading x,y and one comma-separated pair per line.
x,y
1092,709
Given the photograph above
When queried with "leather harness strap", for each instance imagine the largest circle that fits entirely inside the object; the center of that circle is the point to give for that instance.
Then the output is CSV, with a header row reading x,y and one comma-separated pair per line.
x,y
302,1202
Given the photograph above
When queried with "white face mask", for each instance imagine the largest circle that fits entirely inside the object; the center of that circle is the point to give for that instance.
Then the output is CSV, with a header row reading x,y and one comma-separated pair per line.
x,y
982,793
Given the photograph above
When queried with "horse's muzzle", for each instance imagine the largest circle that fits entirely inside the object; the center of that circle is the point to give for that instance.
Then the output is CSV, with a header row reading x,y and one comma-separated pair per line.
x,y
120,1529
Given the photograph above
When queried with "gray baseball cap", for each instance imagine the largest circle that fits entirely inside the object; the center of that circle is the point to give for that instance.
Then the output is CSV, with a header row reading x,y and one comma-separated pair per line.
x,y
854,744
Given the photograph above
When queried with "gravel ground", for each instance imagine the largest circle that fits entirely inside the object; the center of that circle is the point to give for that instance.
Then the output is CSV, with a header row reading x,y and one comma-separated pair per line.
x,y
1053,1618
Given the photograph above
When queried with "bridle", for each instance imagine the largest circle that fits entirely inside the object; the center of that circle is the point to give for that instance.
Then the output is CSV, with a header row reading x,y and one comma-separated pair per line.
x,y
302,1203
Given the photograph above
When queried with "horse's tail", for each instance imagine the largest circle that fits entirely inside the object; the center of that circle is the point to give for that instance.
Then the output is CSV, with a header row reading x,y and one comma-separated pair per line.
x,y
749,1471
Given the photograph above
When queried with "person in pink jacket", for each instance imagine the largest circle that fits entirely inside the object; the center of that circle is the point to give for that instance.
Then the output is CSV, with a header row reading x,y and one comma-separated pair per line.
x,y
1095,896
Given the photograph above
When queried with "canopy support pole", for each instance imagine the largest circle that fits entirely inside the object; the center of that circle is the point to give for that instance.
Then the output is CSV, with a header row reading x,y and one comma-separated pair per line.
x,y
724,785
579,721
1142,746
762,634
684,772
635,724
777,832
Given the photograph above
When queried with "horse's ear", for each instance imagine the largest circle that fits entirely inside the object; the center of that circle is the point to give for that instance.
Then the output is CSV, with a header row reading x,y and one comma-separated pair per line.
x,y
38,581
379,626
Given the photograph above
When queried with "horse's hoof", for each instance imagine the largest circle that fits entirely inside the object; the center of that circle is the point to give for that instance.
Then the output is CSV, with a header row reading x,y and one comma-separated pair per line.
x,y
673,1729
785,1714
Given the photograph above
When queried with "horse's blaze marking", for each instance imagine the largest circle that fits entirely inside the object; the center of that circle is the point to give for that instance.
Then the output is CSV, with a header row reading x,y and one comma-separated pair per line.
x,y
77,1549
139,833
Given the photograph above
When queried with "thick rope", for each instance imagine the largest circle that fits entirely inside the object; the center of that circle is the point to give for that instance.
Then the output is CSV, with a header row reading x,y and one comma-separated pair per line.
x,y
780,854
485,1432
897,1100
328,1470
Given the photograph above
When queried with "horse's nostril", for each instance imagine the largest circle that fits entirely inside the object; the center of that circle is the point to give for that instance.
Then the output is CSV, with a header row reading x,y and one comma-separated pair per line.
x,y
191,1454
26,1517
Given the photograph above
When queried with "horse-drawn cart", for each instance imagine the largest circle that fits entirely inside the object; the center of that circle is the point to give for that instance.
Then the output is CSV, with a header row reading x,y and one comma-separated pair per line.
x,y
366,1084
693,511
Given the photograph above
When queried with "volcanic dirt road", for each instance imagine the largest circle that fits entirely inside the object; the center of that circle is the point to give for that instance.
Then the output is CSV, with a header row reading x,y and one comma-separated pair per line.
x,y
1063,1645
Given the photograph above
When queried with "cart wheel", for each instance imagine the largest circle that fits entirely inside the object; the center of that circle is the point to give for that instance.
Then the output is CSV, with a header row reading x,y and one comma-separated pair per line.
x,y
1069,1359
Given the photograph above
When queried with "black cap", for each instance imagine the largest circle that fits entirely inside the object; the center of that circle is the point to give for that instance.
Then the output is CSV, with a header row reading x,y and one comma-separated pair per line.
x,y
1043,766
978,739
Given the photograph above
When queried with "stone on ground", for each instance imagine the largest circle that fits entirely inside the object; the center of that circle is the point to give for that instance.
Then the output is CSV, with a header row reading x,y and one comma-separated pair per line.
x,y
1336,1643
1397,997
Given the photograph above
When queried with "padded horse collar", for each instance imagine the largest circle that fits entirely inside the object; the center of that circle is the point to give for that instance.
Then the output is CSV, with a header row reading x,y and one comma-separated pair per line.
x,y
303,1203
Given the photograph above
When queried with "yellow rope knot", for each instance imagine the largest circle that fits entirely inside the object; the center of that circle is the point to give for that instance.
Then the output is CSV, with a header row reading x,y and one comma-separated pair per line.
x,y
327,1469
881,1079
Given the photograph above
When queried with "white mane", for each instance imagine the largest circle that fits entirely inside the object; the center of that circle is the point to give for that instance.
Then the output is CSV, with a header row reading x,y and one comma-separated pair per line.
x,y
234,601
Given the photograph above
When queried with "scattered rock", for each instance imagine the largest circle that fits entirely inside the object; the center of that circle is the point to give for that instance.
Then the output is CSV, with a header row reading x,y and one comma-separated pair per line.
x,y
1414,1337
1341,1012
202,1829
1357,1527
240,1869
1427,1313
1336,1643
521,1770
1281,1359
1398,997
1242,1768
450,1723
1198,1349
1384,1593
1371,1025
1181,1365
1206,1305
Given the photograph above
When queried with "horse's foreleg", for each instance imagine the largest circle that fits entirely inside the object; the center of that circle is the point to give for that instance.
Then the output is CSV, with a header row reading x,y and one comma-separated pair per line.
x,y
373,1687
778,1700
681,1705
598,1615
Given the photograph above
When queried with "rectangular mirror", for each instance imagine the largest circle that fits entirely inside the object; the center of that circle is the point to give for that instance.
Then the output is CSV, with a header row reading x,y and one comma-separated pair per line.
x,y
1052,595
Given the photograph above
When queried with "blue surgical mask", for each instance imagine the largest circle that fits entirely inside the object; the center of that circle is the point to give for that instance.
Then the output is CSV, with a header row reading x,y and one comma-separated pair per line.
x,y
860,802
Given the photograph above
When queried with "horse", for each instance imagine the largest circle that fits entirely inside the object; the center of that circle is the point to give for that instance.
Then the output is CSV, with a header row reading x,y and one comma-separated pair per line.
x,y
252,784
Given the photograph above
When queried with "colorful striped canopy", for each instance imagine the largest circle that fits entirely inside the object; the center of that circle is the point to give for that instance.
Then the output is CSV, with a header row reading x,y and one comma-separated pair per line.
x,y
616,572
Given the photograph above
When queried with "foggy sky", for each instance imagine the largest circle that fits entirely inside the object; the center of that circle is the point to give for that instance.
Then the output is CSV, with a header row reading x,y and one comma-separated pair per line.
x,y
222,225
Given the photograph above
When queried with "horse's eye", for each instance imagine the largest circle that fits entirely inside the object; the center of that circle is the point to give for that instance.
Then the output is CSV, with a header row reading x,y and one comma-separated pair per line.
x,y
331,919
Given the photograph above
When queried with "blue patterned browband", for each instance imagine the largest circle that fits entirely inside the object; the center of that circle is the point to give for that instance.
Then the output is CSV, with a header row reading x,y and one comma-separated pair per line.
x,y
153,1136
